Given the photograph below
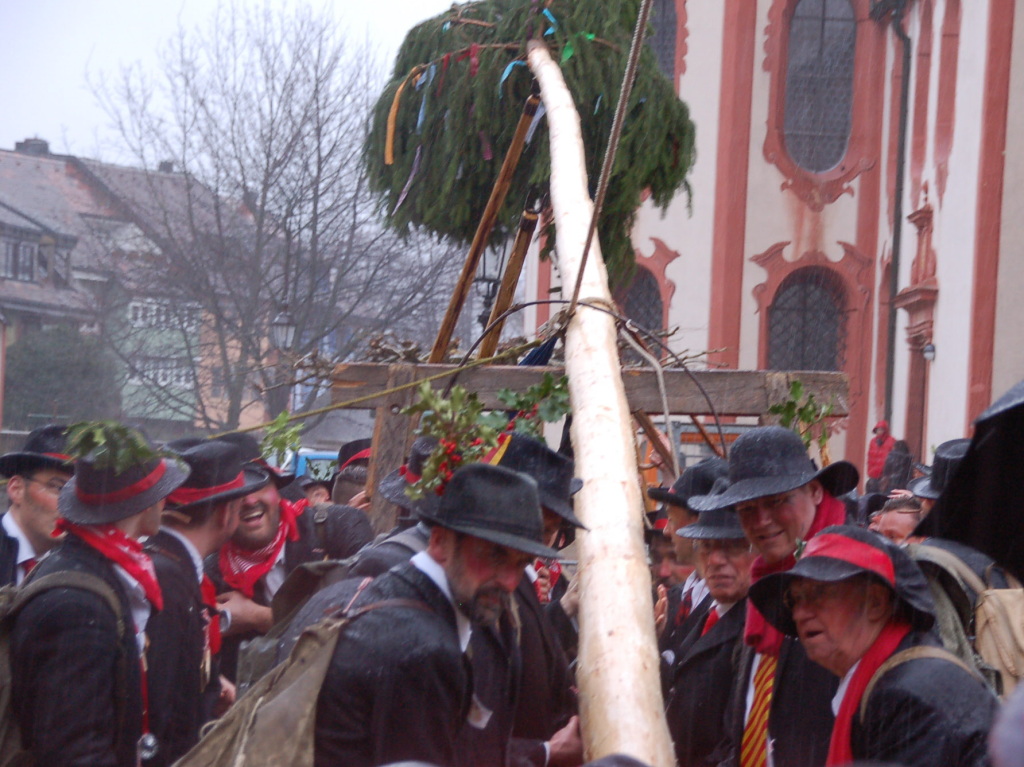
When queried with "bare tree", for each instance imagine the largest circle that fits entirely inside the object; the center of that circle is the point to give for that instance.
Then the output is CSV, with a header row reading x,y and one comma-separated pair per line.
x,y
251,199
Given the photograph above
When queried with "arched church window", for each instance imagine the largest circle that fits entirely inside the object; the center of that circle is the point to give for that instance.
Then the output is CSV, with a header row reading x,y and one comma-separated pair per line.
x,y
643,302
806,322
819,83
663,36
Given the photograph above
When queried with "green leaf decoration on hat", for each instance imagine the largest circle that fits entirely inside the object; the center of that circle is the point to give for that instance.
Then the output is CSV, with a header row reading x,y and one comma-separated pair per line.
x,y
427,147
109,444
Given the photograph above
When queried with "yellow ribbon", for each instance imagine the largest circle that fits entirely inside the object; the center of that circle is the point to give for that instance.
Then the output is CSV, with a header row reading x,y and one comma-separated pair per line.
x,y
389,143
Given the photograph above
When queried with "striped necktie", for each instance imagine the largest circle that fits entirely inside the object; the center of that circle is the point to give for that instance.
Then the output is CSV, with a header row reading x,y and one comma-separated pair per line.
x,y
754,747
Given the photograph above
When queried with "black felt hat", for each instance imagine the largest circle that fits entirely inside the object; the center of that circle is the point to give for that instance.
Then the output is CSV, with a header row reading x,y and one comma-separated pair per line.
x,y
353,452
250,451
947,459
100,495
695,480
770,460
498,505
44,449
840,552
216,475
716,524
392,487
550,470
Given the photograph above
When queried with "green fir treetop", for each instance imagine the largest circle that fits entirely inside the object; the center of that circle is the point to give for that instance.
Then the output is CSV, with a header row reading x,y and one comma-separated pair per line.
x,y
457,92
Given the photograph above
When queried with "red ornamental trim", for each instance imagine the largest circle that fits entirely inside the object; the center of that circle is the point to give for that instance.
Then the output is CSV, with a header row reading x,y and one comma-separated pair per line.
x,y
125,493
185,495
59,457
855,552
357,457
411,478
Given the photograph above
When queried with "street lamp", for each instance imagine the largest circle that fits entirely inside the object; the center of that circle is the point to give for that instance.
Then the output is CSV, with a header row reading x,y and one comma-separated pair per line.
x,y
488,279
282,330
928,351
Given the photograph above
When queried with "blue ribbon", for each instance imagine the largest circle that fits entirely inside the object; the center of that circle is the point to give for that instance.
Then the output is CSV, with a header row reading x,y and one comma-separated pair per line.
x,y
554,23
508,70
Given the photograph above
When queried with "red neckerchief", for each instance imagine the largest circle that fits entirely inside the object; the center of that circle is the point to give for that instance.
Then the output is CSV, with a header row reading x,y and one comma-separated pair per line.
x,y
242,568
840,750
127,552
759,633
209,593
554,568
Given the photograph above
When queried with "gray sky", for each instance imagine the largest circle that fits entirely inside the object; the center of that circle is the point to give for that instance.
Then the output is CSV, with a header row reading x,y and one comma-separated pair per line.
x,y
48,46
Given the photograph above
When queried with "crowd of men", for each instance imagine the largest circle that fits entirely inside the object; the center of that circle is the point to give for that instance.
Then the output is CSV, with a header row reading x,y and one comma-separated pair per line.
x,y
795,630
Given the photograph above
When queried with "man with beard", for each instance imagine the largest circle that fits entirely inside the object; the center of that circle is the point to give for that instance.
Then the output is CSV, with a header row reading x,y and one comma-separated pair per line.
x,y
274,536
35,476
398,687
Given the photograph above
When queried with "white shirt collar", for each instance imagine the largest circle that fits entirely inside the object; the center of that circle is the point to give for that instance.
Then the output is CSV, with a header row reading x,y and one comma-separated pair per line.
x,y
141,609
531,573
841,692
193,552
427,565
25,549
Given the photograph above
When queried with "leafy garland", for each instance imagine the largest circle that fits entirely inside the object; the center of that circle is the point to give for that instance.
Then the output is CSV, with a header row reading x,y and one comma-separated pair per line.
x,y
109,444
807,417
450,110
466,433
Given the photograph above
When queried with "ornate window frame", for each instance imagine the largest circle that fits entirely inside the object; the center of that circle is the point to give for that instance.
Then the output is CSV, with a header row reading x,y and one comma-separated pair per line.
x,y
817,190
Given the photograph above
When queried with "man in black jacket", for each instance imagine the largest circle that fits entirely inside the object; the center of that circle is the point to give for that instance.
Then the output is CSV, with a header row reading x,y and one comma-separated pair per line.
x,y
35,476
78,686
274,536
398,687
184,637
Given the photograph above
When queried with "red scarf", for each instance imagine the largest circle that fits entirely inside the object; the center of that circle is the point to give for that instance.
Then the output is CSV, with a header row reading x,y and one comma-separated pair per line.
x,y
554,568
839,748
759,633
127,552
242,568
209,593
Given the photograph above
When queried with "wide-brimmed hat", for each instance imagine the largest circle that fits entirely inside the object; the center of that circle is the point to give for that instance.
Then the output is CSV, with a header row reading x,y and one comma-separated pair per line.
x,y
392,487
714,525
840,552
98,495
498,505
947,459
770,460
695,480
44,449
553,472
216,475
354,452
250,450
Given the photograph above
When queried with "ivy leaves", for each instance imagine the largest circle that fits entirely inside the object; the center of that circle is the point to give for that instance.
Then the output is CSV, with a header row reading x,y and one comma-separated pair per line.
x,y
109,444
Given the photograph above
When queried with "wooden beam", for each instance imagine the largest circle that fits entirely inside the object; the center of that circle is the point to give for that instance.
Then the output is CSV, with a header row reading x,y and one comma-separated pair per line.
x,y
733,392
391,440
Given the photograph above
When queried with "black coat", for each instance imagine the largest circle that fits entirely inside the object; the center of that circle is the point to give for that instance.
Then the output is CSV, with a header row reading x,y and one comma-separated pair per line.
x,y
926,712
66,660
800,721
344,531
398,687
671,643
704,673
181,691
8,558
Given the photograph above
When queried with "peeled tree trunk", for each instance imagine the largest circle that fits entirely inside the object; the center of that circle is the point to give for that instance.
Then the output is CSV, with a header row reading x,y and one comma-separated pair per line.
x,y
618,674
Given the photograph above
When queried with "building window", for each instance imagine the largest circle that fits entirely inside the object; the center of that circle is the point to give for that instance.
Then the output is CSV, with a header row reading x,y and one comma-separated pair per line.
x,y
806,322
819,83
19,261
663,36
643,302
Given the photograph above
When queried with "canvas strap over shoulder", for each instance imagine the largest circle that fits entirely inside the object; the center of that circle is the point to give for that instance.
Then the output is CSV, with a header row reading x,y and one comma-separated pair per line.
x,y
911,653
69,579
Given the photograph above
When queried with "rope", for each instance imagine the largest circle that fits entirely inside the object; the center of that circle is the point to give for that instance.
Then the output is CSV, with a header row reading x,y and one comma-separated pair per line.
x,y
628,79
660,375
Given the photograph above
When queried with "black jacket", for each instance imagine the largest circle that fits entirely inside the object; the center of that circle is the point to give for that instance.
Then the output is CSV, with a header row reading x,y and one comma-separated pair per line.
x,y
73,677
343,531
800,721
704,673
926,712
8,558
182,688
398,687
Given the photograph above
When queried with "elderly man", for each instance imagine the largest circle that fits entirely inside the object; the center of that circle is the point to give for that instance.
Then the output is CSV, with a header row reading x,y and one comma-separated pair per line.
x,y
35,476
706,668
398,687
780,707
862,610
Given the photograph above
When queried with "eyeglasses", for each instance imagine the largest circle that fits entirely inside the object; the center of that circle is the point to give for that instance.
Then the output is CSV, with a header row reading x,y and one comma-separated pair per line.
x,y
730,547
53,485
810,594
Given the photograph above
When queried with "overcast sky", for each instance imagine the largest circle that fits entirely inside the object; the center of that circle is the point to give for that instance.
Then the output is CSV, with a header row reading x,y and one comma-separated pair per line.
x,y
47,47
